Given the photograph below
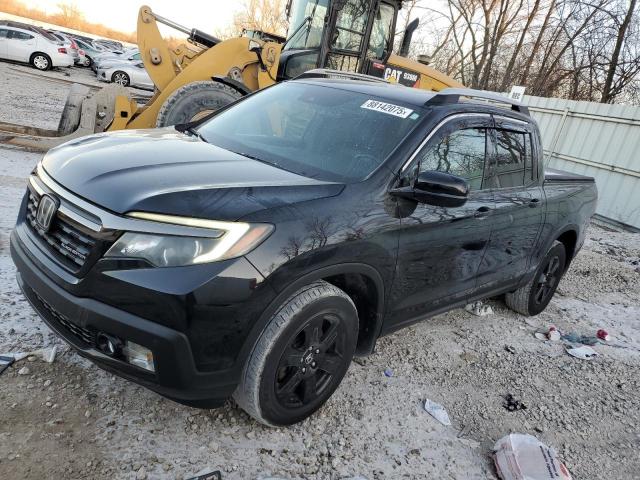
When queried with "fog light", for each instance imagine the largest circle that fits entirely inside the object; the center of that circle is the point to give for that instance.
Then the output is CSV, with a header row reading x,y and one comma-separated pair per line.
x,y
139,356
109,345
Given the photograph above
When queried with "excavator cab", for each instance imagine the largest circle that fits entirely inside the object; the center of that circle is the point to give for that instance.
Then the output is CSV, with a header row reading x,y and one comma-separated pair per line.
x,y
346,35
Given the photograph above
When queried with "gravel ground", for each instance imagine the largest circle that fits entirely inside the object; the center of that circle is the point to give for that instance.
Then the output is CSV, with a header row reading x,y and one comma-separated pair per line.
x,y
72,420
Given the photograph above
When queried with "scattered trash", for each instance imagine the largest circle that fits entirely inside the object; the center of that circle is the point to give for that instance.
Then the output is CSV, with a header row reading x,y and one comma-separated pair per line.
x,y
437,411
523,457
553,334
541,336
388,372
603,335
512,404
584,353
510,349
24,371
5,362
48,354
582,339
207,476
479,309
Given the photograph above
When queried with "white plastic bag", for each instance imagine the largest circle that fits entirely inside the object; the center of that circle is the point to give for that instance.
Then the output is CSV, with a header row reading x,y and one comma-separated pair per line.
x,y
524,457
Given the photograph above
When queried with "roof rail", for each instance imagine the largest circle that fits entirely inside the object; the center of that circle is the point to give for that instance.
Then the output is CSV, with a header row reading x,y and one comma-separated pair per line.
x,y
338,74
452,95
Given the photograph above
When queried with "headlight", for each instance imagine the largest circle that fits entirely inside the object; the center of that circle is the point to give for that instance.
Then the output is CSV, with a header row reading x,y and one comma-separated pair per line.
x,y
226,240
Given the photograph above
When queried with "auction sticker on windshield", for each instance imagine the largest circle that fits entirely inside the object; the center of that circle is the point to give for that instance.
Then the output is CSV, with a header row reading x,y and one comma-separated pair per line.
x,y
388,108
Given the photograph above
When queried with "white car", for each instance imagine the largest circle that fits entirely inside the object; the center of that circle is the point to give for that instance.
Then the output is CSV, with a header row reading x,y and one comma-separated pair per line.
x,y
28,46
127,74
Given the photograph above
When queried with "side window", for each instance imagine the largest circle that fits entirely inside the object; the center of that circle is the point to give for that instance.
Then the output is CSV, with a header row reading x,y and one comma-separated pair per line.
x,y
21,36
509,161
4,33
137,56
461,153
381,32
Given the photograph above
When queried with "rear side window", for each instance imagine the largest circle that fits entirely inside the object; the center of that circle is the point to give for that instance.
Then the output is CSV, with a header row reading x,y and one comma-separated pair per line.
x,y
461,153
509,161
21,36
4,33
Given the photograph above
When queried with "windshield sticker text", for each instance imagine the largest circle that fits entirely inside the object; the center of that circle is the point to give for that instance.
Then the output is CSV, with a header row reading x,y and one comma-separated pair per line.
x,y
388,108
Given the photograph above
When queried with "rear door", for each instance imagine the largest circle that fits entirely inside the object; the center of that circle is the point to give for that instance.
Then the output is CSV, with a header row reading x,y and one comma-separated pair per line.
x,y
3,42
519,201
20,46
440,248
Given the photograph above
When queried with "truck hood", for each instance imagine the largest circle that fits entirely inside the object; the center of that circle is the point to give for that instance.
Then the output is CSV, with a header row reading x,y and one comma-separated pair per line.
x,y
164,171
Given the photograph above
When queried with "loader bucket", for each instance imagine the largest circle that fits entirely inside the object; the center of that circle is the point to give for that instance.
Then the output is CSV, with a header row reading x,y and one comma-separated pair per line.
x,y
84,113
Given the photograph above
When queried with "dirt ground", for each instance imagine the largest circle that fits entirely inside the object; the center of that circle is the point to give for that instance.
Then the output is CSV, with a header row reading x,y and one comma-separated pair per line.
x,y
69,419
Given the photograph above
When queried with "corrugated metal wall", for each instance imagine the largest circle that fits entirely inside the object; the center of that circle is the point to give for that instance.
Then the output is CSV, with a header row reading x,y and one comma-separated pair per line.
x,y
598,140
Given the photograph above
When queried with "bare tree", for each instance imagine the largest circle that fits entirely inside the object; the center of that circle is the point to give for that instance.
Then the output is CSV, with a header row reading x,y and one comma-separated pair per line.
x,y
265,15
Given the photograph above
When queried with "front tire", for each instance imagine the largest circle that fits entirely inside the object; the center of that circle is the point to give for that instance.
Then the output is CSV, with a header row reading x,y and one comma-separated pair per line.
x,y
41,61
534,297
194,101
120,78
301,357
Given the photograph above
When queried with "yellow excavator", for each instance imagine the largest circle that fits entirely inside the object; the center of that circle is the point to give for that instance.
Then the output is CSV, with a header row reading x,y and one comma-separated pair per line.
x,y
205,74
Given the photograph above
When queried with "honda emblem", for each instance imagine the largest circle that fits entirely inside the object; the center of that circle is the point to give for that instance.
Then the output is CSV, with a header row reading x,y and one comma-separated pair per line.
x,y
47,209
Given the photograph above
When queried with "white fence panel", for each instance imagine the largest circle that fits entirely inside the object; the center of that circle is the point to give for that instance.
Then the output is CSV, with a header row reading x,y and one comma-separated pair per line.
x,y
598,140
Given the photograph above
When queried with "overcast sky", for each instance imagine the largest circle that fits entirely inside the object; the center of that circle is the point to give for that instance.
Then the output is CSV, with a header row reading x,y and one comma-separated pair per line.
x,y
207,15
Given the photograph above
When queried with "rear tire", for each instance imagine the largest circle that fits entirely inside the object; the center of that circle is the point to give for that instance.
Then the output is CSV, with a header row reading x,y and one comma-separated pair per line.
x,y
301,357
534,297
194,101
121,78
41,61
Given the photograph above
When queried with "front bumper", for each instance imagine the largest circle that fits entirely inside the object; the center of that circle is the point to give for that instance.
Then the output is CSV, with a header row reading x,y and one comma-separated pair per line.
x,y
176,375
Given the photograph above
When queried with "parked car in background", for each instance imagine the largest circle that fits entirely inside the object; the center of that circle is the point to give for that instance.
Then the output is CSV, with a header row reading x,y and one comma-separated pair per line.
x,y
89,51
69,43
130,54
127,74
34,46
111,45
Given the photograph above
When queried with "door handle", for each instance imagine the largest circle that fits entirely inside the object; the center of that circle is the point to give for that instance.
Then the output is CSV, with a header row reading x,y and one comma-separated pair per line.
x,y
534,202
482,212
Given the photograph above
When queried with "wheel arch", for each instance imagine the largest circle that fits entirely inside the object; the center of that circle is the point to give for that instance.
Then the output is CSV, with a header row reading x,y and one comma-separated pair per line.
x,y
360,281
569,238
230,82
38,52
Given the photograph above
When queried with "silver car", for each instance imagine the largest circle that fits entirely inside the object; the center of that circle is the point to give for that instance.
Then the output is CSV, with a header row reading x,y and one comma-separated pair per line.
x,y
127,74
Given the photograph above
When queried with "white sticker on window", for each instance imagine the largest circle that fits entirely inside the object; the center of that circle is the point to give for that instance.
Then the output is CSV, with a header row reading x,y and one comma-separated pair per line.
x,y
388,108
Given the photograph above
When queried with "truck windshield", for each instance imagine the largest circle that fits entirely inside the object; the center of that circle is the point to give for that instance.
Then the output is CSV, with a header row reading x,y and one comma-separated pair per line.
x,y
317,131
309,36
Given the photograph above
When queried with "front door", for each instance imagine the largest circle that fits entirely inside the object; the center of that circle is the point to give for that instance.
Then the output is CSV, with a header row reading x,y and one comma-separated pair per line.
x,y
441,249
519,198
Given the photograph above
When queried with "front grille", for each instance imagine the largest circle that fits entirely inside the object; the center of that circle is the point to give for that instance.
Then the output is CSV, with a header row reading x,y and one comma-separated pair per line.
x,y
86,336
70,246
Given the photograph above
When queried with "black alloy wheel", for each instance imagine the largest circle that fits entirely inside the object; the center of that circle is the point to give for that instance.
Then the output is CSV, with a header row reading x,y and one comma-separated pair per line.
x,y
314,355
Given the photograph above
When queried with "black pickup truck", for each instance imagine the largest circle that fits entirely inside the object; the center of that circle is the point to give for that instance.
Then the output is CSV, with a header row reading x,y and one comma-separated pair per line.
x,y
254,253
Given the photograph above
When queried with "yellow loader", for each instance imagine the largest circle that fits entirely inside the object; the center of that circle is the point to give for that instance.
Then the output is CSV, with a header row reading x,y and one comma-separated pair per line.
x,y
205,74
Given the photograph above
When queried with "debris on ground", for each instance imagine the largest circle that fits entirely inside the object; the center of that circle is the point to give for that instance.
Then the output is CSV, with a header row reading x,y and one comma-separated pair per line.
x,y
47,354
581,339
437,411
479,309
603,335
523,457
553,334
583,353
512,404
5,362
207,476
388,372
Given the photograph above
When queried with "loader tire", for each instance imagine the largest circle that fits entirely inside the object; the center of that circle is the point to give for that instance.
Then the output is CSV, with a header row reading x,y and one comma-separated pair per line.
x,y
194,101
70,118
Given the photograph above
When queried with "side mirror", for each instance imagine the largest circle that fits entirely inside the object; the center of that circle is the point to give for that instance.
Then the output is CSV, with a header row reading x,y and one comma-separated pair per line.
x,y
441,189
